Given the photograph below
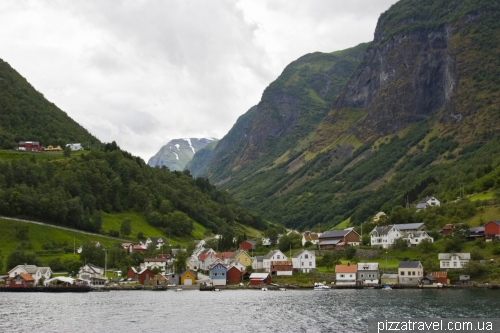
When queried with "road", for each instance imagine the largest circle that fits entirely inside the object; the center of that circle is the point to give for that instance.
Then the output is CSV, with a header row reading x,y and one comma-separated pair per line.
x,y
64,228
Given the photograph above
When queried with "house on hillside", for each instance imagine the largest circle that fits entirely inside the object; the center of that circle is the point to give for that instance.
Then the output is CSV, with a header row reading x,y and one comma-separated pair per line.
x,y
240,256
29,146
345,275
410,272
475,232
384,236
74,146
378,216
304,261
310,237
158,241
92,275
258,263
492,229
338,239
272,256
428,202
453,260
414,238
152,263
248,245
368,273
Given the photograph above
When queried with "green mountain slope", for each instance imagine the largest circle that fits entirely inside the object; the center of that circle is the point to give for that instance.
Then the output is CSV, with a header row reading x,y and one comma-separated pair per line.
x,y
25,115
291,108
419,116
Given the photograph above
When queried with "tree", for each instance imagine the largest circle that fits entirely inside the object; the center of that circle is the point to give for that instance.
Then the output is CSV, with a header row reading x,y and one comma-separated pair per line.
x,y
67,152
22,231
285,244
20,257
180,261
92,254
272,234
126,227
426,246
400,245
350,252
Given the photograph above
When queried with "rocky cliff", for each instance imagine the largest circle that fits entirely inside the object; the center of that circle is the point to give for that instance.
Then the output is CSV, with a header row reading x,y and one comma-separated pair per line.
x,y
177,153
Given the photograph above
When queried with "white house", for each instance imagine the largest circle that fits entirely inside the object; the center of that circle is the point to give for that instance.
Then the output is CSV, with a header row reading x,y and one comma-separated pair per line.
x,y
238,265
34,271
273,255
416,237
74,146
310,237
304,261
410,272
151,263
453,260
192,263
258,263
384,236
158,241
345,275
428,202
92,275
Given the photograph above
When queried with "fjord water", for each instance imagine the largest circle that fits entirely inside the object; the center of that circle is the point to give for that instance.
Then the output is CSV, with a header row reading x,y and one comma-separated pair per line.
x,y
235,310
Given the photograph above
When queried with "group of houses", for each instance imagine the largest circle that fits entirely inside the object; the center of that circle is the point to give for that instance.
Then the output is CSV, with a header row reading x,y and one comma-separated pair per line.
x,y
409,272
27,276
36,146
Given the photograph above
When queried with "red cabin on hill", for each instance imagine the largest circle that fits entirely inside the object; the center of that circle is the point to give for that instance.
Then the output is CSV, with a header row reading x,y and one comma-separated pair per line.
x,y
492,228
29,146
248,245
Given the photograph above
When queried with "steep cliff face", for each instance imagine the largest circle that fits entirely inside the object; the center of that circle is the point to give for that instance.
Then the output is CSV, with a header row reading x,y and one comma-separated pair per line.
x,y
403,79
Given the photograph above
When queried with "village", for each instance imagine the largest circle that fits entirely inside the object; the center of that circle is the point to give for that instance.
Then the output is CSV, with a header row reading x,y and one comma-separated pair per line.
x,y
206,269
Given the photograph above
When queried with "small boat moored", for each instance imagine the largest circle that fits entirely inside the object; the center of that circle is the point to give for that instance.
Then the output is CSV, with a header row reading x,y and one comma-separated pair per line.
x,y
320,286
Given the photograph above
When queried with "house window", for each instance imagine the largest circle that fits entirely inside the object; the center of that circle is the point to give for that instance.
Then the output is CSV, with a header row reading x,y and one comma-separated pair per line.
x,y
413,273
278,256
341,275
302,263
402,273
310,263
362,275
306,256
455,264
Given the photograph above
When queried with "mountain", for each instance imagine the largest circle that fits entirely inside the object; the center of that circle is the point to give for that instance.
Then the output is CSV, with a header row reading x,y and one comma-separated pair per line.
x,y
291,108
25,115
177,153
417,113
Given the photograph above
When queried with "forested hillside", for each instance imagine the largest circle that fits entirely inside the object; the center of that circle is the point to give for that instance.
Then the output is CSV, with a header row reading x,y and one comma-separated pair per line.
x,y
25,115
419,115
73,192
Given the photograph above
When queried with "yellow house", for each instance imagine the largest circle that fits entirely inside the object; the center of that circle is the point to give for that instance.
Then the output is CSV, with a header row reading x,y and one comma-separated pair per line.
x,y
242,256
188,277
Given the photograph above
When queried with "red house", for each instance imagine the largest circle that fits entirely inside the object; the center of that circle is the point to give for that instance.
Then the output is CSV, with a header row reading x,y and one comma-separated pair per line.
x,y
132,273
138,248
20,281
30,146
440,277
492,228
145,276
248,245
233,275
260,279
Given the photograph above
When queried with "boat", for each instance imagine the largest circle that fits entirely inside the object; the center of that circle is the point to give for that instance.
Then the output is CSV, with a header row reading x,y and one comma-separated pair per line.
x,y
178,289
283,289
320,286
264,289
386,288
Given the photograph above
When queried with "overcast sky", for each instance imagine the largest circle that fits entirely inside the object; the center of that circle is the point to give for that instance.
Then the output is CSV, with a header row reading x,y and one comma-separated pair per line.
x,y
143,72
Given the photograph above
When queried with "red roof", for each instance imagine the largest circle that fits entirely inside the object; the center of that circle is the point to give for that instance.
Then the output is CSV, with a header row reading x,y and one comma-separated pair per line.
x,y
346,269
202,256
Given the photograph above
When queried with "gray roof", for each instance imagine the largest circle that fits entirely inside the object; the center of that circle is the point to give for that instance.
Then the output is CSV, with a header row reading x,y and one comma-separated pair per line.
x,y
382,230
330,242
415,234
409,226
422,205
298,254
259,258
335,233
447,256
409,264
270,254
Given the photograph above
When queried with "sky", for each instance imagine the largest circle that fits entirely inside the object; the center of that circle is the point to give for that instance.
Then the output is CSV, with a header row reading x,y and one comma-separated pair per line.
x,y
143,72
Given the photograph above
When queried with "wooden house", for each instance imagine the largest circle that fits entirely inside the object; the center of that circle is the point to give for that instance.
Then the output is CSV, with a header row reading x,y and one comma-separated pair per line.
x,y
345,275
145,276
234,275
259,279
20,281
248,245
492,229
338,239
218,274
188,277
440,277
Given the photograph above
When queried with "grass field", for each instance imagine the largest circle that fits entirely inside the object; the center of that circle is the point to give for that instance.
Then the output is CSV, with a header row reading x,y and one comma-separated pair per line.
x,y
11,155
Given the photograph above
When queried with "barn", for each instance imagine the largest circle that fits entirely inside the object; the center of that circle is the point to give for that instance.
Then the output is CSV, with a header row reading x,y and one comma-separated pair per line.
x,y
259,279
